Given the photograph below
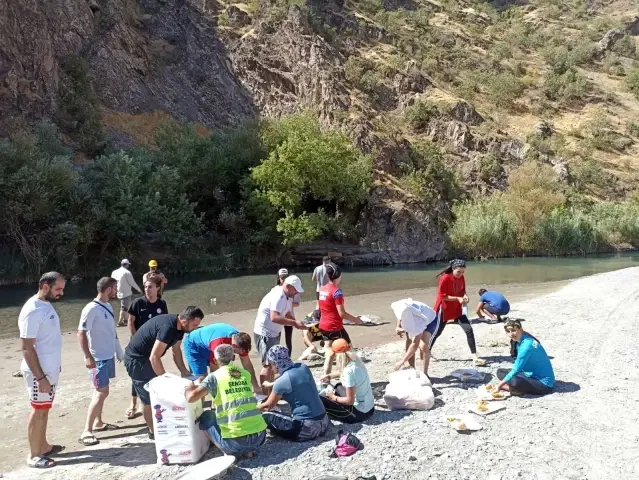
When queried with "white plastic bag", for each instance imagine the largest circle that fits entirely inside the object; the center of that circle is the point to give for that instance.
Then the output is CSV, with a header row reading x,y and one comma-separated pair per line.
x,y
409,390
178,438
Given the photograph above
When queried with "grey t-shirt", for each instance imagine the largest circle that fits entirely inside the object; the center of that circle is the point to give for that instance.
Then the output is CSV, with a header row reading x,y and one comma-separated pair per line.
x,y
321,276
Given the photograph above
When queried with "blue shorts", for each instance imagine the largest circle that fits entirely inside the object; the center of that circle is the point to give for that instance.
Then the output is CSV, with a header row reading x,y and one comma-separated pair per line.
x,y
492,310
197,358
104,371
432,326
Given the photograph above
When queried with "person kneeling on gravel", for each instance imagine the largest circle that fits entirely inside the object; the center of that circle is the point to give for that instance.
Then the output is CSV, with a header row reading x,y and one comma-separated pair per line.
x,y
353,400
236,426
296,385
532,372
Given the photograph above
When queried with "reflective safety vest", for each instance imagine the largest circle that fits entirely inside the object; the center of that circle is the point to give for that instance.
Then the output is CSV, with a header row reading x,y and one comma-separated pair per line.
x,y
235,405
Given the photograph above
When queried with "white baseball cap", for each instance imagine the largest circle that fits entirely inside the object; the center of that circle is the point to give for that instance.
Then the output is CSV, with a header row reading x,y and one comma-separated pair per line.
x,y
295,282
125,262
281,272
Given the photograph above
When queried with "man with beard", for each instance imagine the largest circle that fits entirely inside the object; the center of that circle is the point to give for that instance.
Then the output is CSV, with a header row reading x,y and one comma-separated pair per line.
x,y
41,342
143,354
100,344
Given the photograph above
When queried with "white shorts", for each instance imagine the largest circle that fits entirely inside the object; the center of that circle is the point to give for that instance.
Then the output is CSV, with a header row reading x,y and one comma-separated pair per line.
x,y
38,399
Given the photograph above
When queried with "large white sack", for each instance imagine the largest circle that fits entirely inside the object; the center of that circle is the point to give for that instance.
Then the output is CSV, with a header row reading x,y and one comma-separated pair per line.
x,y
408,390
178,438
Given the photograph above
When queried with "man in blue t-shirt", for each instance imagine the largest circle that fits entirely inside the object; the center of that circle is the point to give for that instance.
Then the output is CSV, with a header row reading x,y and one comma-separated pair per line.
x,y
200,344
492,305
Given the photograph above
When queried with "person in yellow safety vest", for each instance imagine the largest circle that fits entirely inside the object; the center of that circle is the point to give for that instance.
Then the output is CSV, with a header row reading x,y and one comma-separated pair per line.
x,y
237,426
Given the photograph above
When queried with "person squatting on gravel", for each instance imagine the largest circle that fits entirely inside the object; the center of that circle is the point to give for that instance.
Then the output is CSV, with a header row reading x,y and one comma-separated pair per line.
x,y
308,419
451,297
532,372
492,305
353,400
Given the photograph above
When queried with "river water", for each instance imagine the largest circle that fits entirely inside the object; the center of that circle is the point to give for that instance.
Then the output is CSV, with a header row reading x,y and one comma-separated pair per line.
x,y
218,294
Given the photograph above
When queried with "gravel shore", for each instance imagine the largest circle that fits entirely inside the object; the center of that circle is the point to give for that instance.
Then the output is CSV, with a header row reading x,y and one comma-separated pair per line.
x,y
587,429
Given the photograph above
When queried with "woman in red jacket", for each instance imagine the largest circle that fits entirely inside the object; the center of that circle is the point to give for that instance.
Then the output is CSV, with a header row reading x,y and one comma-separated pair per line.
x,y
451,298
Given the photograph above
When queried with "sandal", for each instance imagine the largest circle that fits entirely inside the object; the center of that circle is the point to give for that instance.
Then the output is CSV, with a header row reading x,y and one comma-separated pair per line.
x,y
480,362
41,462
88,440
54,449
151,436
106,427
131,413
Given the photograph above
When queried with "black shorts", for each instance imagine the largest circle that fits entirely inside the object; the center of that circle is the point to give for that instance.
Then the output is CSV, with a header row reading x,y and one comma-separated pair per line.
x,y
335,335
141,373
317,295
316,334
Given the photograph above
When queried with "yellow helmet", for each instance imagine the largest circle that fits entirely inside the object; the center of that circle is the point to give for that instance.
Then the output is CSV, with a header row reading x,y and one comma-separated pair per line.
x,y
153,263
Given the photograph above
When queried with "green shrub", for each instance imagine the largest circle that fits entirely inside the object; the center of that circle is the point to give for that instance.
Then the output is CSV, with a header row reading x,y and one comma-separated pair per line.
x,y
633,129
489,167
626,47
566,86
420,114
632,81
503,88
562,58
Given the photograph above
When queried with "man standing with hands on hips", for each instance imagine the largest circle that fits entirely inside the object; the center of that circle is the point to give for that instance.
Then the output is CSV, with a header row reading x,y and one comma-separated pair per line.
x,y
41,341
99,343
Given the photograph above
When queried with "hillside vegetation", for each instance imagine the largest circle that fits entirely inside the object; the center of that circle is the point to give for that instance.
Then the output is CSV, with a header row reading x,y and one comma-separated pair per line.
x,y
412,129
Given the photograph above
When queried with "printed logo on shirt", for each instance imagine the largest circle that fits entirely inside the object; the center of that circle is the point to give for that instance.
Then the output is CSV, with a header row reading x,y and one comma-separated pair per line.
x,y
159,310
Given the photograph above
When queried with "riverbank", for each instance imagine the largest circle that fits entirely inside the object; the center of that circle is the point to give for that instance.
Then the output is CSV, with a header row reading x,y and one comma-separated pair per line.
x,y
587,326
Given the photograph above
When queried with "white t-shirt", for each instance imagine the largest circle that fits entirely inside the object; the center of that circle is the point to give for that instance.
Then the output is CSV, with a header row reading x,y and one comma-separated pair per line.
x,y
321,277
414,316
126,283
100,327
38,319
274,301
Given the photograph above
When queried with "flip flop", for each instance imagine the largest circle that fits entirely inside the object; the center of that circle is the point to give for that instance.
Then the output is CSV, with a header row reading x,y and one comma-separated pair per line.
x,y
480,362
88,440
106,427
41,462
131,414
17,374
54,449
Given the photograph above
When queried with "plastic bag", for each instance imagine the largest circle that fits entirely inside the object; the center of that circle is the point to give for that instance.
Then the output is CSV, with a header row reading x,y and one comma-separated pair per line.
x,y
346,444
408,390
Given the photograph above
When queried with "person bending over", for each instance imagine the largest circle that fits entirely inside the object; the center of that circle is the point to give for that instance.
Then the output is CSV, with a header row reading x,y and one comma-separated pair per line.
x,y
200,345
143,355
353,400
532,372
419,322
236,426
288,329
492,305
296,385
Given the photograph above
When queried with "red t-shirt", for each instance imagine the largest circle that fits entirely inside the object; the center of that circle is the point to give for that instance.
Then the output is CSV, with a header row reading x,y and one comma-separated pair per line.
x,y
216,343
329,298
453,287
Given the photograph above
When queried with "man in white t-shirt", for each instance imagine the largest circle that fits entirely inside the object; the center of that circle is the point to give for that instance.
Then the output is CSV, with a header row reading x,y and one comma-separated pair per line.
x,y
41,341
126,285
271,318
419,322
99,343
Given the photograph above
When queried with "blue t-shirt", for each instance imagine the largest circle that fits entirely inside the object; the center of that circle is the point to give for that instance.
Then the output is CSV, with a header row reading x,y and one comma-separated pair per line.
x,y
297,386
533,362
199,346
496,301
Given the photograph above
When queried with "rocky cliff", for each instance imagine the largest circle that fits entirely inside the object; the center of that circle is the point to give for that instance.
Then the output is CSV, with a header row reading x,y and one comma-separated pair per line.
x,y
219,63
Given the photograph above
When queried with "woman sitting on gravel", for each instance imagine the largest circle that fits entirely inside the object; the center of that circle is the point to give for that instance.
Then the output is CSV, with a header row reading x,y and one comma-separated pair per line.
x,y
296,385
353,400
532,372
451,297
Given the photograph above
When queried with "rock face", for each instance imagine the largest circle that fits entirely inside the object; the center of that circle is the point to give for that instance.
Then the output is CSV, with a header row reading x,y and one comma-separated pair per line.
x,y
613,36
143,56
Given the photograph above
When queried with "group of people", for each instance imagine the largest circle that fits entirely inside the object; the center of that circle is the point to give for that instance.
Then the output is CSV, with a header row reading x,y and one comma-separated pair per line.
x,y
239,421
